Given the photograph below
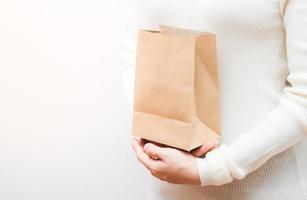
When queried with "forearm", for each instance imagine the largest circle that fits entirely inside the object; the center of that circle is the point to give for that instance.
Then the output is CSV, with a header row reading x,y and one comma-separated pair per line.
x,y
279,129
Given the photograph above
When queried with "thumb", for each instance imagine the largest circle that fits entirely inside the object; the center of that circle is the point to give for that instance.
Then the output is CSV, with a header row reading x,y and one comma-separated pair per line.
x,y
202,150
154,151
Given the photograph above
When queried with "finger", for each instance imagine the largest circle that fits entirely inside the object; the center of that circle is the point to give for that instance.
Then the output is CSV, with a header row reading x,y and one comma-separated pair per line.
x,y
215,145
154,151
205,148
143,142
142,156
201,150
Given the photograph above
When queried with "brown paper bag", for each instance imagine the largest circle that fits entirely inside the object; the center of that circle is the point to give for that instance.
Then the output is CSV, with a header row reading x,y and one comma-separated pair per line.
x,y
176,93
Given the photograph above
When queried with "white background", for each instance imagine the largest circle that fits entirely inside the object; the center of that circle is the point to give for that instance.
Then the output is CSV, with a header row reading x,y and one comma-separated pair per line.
x,y
64,121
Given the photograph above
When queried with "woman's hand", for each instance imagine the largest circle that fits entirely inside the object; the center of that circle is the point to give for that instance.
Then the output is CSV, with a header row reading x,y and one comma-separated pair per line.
x,y
170,164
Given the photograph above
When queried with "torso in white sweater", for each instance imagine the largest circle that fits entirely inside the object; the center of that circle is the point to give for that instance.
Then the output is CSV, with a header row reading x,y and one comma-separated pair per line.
x,y
263,86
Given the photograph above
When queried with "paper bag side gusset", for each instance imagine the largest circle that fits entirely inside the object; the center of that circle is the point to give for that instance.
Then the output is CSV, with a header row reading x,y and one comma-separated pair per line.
x,y
207,82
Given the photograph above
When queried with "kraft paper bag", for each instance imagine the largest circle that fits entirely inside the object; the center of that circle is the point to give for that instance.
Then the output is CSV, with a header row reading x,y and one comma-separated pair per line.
x,y
176,93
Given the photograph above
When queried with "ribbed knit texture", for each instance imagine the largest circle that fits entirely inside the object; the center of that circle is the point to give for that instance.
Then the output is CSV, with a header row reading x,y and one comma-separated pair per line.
x,y
262,56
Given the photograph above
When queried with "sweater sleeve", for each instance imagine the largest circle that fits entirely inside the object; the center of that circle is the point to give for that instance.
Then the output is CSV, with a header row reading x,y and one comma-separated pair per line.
x,y
277,130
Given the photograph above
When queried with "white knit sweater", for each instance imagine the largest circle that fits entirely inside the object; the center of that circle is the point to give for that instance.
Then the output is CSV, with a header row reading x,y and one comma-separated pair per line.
x,y
262,55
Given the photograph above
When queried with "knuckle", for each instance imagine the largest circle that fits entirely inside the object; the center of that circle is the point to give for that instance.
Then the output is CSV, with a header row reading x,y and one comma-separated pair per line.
x,y
154,171
138,157
147,147
171,181
163,168
164,177
157,171
159,174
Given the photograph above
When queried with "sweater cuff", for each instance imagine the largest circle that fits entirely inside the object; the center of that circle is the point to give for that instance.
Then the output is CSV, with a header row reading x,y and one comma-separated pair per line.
x,y
213,169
